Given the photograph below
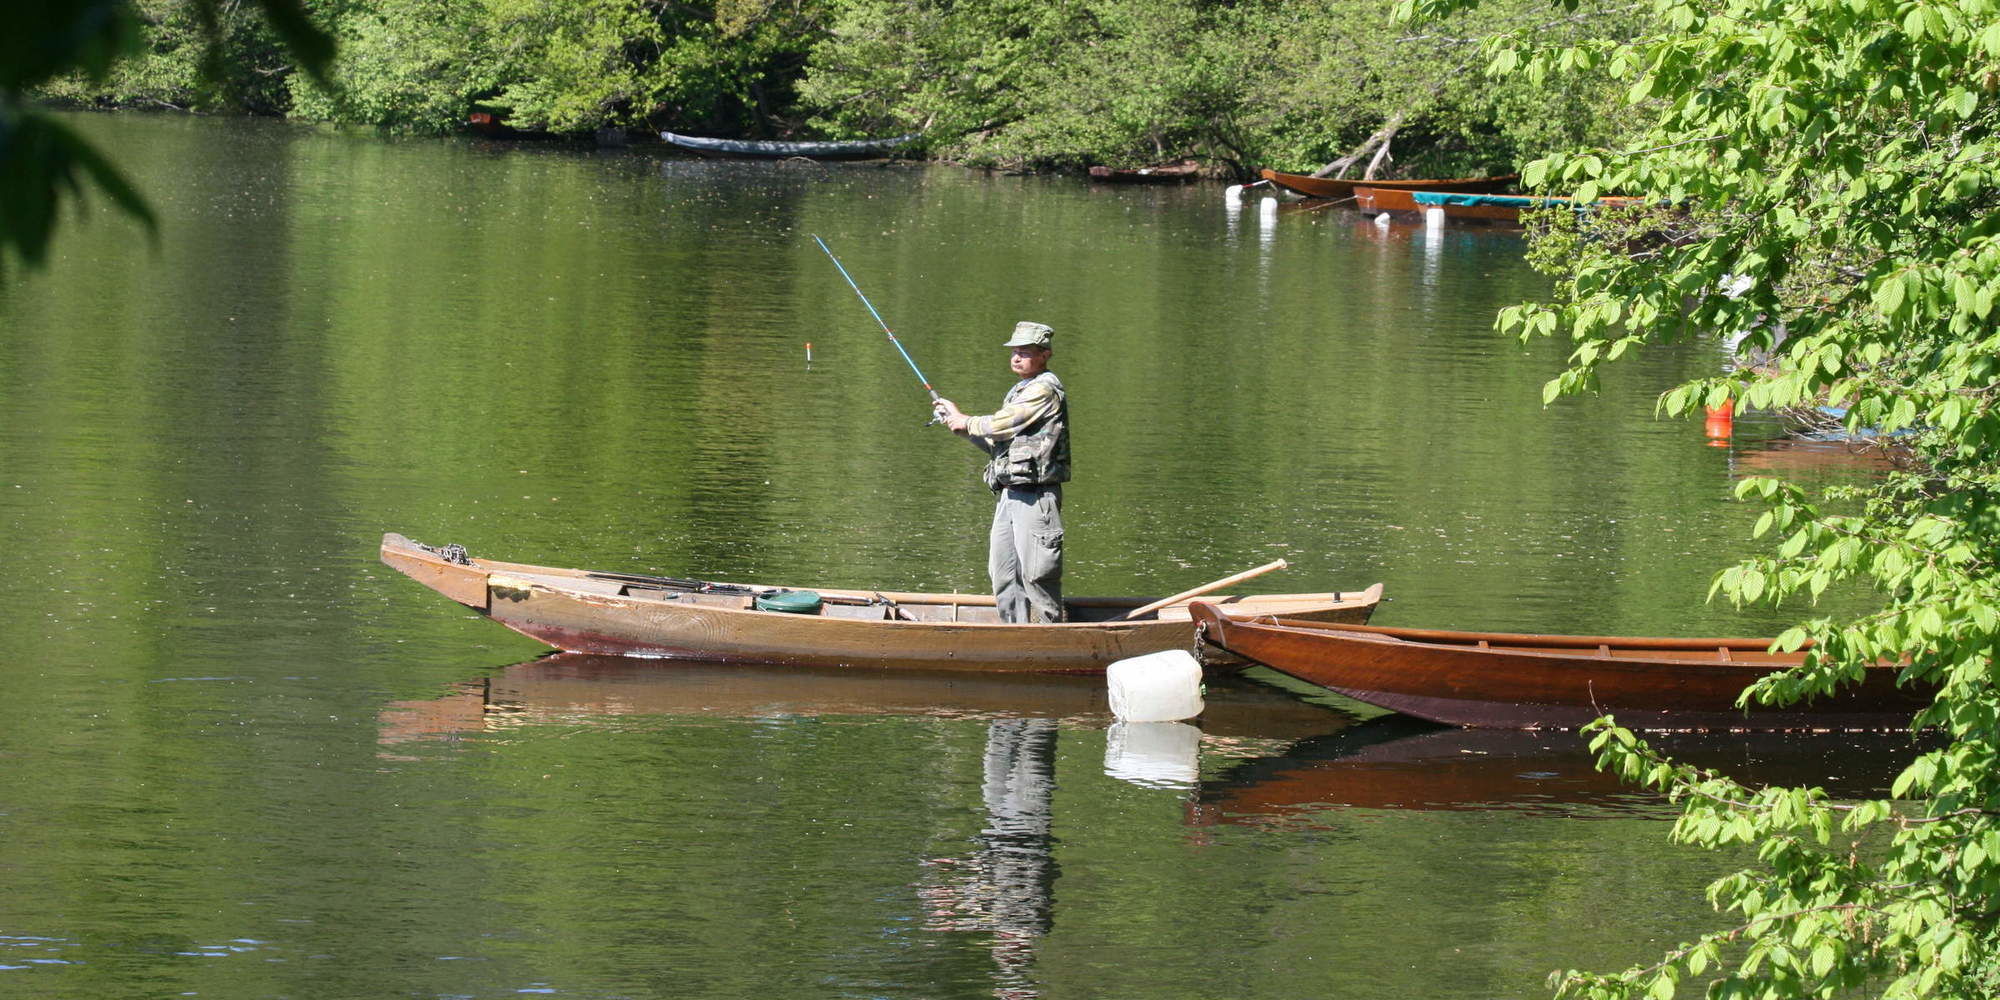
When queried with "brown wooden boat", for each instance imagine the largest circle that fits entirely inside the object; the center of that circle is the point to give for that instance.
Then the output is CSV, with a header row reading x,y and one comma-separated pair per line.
x,y
1501,680
638,615
1472,206
1159,173
1335,187
1373,200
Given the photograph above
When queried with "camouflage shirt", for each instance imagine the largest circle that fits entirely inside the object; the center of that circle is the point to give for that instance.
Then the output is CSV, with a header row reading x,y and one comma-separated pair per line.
x,y
1028,437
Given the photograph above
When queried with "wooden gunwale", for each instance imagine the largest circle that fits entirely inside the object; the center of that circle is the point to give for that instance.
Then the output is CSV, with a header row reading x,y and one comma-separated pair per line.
x,y
579,611
1520,681
1504,640
1336,187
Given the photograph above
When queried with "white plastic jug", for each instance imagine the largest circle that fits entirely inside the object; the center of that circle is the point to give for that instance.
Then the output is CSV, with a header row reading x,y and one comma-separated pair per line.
x,y
1157,687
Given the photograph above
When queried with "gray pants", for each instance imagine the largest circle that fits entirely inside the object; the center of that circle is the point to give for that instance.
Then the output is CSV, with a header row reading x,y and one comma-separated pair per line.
x,y
1024,556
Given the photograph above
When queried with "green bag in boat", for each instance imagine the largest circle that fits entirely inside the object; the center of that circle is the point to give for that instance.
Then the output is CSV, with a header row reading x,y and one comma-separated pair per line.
x,y
797,602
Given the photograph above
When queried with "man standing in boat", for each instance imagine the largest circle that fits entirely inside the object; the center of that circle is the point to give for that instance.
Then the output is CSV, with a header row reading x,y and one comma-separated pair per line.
x,y
1027,444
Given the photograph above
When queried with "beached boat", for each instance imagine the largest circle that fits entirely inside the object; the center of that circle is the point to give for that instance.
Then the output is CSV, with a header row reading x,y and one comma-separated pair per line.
x,y
1336,187
1374,200
858,149
1163,173
638,615
1473,206
1503,680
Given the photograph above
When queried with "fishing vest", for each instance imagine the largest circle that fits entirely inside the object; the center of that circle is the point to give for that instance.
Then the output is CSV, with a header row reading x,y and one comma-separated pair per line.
x,y
1038,455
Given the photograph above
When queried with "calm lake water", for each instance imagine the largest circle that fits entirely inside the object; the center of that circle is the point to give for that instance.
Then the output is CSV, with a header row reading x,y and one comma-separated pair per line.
x,y
240,758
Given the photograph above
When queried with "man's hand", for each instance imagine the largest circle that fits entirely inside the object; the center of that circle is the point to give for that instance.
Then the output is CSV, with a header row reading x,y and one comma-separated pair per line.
x,y
948,412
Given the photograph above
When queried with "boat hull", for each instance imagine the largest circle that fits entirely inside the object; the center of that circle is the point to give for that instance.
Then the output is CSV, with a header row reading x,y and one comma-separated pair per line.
x,y
1563,683
1336,187
745,149
1164,173
583,612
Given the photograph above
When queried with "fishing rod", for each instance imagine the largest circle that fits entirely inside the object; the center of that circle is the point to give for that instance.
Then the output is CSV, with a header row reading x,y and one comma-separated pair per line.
x,y
879,322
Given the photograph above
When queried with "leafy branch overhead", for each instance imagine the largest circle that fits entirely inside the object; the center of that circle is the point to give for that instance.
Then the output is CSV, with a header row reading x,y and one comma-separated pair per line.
x,y
1822,190
42,162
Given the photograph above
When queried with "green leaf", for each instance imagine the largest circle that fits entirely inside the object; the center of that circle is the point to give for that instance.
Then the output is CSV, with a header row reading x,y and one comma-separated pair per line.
x,y
1663,989
1889,295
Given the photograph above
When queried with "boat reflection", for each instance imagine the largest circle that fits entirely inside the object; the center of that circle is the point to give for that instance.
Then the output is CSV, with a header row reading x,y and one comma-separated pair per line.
x,y
1001,888
1790,456
1398,763
575,688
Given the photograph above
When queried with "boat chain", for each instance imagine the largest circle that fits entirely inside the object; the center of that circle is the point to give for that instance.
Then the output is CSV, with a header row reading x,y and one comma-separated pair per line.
x,y
453,553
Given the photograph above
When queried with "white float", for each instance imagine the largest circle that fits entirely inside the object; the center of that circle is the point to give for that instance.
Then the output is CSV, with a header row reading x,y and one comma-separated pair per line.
x,y
1157,687
1153,754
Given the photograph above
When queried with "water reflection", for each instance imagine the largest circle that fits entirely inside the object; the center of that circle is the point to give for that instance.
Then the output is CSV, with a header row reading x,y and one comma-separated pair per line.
x,y
575,688
1153,754
1796,458
1398,763
1003,887
1006,886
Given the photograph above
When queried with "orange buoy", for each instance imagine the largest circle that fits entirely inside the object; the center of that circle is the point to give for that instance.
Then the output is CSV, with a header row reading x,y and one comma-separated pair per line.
x,y
1721,423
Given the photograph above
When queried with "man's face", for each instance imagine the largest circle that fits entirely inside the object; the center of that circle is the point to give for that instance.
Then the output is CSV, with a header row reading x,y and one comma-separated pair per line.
x,y
1029,362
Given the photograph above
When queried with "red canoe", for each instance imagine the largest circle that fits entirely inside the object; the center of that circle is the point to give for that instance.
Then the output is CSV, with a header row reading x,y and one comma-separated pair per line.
x,y
1500,680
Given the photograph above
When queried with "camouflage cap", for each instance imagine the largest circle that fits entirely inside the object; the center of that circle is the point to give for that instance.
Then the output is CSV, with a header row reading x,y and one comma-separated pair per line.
x,y
1028,334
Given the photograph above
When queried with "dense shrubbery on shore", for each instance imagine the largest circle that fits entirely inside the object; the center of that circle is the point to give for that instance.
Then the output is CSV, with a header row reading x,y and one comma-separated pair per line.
x,y
993,82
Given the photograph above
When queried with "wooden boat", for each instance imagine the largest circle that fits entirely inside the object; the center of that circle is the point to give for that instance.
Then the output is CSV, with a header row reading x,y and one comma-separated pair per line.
x,y
1335,187
1164,173
752,149
1502,680
1474,206
1374,200
638,615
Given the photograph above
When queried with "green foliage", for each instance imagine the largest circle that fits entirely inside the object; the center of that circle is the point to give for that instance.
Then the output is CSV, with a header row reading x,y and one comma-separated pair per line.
x,y
1128,82
996,82
44,42
565,65
1823,176
192,58
411,65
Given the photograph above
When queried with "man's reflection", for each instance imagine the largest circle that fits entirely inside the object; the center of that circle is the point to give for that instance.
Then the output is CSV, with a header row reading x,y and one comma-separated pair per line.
x,y
1006,887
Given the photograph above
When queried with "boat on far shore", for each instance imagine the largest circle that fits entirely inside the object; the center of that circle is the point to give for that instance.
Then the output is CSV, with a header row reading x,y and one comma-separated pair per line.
x,y
856,149
1466,205
1503,680
1339,187
1162,173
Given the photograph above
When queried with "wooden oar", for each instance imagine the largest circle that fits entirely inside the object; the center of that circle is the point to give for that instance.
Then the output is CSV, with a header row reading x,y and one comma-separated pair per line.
x,y
1203,589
